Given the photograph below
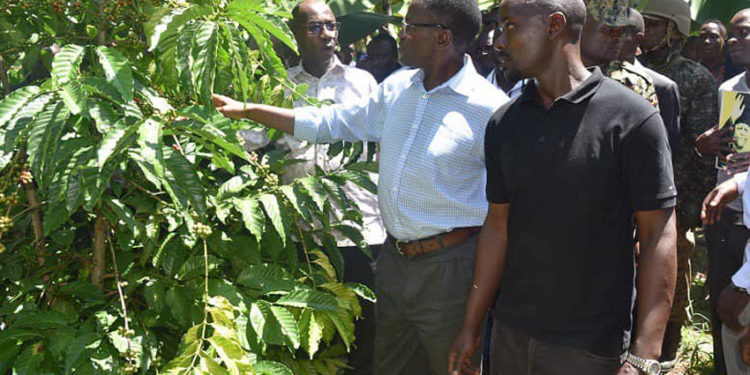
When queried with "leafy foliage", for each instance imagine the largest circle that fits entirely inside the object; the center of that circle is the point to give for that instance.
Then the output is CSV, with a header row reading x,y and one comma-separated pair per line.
x,y
139,236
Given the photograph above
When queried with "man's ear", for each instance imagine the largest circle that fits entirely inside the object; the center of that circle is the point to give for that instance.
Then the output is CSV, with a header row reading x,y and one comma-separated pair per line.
x,y
556,25
444,39
639,38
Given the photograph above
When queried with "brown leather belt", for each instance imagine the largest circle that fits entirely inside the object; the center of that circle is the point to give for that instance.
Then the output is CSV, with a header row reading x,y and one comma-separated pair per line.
x,y
436,242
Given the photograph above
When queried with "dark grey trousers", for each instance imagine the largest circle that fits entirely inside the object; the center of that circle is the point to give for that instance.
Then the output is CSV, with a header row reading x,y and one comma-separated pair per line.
x,y
726,248
515,353
420,308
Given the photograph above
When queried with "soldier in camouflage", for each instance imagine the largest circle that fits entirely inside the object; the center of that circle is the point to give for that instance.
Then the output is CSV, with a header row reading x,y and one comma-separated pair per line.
x,y
667,27
601,43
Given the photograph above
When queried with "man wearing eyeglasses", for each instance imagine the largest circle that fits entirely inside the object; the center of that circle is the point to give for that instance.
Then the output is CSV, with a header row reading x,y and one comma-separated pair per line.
x,y
430,123
316,31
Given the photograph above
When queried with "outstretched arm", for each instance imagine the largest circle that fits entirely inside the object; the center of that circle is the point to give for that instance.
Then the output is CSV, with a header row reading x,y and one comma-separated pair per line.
x,y
488,270
273,117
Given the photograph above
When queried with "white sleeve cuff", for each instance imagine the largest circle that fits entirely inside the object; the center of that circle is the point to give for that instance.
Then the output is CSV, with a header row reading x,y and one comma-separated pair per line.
x,y
306,124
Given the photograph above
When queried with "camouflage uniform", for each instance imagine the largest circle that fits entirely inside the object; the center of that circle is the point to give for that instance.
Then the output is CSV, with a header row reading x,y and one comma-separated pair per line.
x,y
634,78
614,13
694,176
609,12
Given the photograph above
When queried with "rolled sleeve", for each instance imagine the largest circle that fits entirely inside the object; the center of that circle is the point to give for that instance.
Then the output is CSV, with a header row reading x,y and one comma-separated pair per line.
x,y
306,123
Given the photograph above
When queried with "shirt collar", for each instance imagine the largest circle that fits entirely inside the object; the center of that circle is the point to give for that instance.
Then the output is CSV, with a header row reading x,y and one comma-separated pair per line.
x,y
337,67
461,82
586,89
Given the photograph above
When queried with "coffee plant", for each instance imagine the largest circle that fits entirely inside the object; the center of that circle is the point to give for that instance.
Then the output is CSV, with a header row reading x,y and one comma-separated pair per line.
x,y
137,236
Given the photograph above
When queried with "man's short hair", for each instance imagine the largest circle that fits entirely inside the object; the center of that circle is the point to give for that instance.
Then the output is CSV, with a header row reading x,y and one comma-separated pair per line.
x,y
636,24
386,38
573,10
462,17
298,18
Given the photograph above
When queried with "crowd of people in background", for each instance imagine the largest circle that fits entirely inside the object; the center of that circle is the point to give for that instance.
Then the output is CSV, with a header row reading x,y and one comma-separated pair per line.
x,y
557,128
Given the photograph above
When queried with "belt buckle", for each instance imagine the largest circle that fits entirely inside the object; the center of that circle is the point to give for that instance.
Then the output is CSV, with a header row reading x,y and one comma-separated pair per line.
x,y
398,244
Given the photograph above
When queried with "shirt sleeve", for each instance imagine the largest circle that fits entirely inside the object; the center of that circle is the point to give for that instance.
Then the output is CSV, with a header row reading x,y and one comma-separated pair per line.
x,y
647,166
496,190
741,278
360,121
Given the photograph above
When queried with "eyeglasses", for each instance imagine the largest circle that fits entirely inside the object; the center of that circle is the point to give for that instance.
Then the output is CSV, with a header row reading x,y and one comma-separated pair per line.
x,y
410,26
316,28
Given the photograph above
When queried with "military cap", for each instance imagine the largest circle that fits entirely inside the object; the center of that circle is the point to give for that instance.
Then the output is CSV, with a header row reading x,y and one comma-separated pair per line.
x,y
613,13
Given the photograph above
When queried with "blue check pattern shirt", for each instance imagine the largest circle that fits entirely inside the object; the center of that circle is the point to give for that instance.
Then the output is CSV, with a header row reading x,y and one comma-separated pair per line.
x,y
432,174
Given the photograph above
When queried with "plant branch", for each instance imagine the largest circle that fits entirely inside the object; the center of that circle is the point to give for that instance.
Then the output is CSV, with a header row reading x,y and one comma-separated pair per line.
x,y
4,77
99,261
119,285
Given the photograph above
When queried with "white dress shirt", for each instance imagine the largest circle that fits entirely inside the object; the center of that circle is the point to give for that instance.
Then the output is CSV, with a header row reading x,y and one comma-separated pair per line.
x,y
741,278
432,174
340,84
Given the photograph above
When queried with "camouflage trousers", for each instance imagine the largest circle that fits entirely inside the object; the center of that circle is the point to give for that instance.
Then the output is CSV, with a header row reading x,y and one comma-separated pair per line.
x,y
684,252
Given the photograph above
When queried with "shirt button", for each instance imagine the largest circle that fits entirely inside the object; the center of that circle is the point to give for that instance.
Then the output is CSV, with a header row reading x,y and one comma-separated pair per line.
x,y
426,96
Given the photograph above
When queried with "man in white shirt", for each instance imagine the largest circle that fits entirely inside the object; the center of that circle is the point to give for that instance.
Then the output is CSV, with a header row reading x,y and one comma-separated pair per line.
x,y
727,234
430,123
316,31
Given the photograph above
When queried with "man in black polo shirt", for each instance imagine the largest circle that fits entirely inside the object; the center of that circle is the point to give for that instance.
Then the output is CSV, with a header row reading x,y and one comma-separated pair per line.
x,y
571,164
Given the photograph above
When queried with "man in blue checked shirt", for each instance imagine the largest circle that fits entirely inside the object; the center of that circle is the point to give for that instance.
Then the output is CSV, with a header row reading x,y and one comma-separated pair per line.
x,y
430,123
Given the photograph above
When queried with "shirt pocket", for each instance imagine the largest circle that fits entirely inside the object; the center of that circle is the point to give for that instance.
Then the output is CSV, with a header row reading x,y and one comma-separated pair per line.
x,y
454,145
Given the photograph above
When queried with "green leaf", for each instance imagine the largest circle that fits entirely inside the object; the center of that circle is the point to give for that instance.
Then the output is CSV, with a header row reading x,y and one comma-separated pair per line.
x,y
211,366
122,212
298,200
185,179
232,187
76,349
118,139
66,62
195,266
323,262
102,114
152,97
288,324
359,178
344,325
74,97
23,116
315,190
273,210
271,368
116,71
203,67
29,361
363,291
150,150
44,140
14,102
271,61
311,332
356,236
40,320
168,24
238,10
309,298
268,278
252,216
265,324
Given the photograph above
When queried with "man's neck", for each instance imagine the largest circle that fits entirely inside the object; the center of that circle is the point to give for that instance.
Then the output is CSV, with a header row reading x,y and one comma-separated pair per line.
x,y
658,56
441,72
564,72
318,67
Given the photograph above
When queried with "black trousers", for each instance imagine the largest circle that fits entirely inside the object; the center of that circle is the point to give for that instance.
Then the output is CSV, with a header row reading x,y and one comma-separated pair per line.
x,y
726,248
513,352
